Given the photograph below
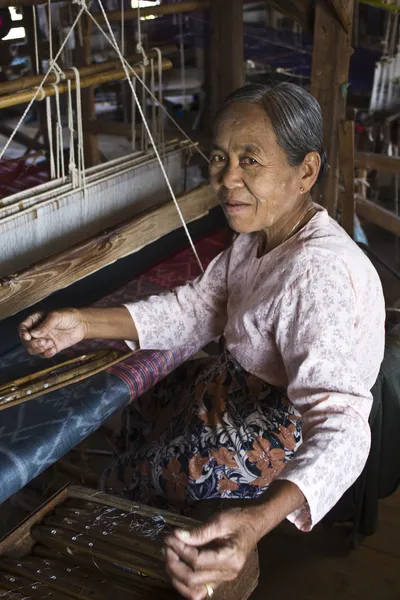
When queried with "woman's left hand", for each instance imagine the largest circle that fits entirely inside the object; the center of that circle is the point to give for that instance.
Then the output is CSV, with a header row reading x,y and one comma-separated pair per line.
x,y
200,560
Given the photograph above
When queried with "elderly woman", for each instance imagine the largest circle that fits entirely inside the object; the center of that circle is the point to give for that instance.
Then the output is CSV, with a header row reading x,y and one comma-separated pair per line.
x,y
280,418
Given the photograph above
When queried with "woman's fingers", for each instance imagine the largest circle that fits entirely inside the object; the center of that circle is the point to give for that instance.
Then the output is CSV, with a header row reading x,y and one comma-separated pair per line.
x,y
202,559
180,575
28,324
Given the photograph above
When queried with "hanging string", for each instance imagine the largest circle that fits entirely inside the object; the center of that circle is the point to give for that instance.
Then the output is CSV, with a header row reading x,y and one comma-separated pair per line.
x,y
60,142
73,171
133,116
39,89
81,156
139,45
142,83
161,136
153,104
144,109
123,27
182,57
163,171
35,38
50,135
49,24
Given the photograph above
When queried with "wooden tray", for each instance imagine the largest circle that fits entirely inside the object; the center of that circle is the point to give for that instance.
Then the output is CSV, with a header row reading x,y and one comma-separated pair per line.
x,y
89,545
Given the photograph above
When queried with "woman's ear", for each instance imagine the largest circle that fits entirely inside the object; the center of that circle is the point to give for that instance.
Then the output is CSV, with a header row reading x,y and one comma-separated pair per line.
x,y
309,170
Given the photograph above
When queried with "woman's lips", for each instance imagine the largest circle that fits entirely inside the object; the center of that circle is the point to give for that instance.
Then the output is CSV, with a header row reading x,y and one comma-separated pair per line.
x,y
235,207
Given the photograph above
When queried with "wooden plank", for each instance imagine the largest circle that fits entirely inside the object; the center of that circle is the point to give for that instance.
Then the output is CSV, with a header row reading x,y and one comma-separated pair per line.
x,y
330,71
346,155
227,50
379,216
377,162
57,272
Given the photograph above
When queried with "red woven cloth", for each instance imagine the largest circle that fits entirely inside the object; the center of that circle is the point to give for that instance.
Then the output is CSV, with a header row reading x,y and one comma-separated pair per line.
x,y
16,176
143,370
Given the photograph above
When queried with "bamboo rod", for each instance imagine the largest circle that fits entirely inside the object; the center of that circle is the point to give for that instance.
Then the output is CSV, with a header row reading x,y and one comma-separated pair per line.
x,y
88,81
92,499
49,275
128,540
135,584
86,545
161,10
26,83
39,389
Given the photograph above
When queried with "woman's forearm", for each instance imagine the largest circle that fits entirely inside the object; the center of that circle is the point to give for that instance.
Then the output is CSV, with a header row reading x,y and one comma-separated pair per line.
x,y
280,500
108,323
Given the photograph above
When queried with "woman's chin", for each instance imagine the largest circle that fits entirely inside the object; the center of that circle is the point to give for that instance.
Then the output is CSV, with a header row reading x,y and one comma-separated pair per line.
x,y
239,225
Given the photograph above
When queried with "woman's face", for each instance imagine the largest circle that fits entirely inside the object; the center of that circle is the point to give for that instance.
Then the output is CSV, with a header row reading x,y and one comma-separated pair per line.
x,y
250,172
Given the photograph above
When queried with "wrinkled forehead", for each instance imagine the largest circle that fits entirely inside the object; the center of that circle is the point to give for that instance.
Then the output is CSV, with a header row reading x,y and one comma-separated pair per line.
x,y
243,123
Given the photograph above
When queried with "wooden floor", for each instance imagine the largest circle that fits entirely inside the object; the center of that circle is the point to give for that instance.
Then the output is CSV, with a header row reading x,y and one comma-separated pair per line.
x,y
319,565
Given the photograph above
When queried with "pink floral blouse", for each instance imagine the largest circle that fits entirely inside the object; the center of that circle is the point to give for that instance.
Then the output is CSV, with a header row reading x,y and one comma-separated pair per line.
x,y
309,317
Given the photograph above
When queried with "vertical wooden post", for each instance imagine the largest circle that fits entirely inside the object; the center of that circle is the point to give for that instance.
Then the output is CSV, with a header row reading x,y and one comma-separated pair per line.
x,y
346,156
83,58
329,79
227,49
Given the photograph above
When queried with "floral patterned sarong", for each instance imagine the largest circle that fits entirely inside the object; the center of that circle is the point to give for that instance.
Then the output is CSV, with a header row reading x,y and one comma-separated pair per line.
x,y
210,430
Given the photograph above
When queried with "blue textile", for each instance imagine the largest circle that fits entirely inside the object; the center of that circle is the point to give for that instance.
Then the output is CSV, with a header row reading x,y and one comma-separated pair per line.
x,y
35,434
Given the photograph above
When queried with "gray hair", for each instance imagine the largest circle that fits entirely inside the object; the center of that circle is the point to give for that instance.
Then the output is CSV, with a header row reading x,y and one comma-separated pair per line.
x,y
294,114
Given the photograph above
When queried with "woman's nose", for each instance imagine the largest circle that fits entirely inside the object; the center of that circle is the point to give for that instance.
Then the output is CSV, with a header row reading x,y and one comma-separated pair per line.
x,y
232,177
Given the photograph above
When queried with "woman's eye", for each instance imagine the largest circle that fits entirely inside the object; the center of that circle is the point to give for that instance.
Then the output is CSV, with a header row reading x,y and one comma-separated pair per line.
x,y
217,158
247,160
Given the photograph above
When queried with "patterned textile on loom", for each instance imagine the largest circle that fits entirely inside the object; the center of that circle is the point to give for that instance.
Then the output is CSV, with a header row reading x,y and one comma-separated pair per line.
x,y
17,175
35,434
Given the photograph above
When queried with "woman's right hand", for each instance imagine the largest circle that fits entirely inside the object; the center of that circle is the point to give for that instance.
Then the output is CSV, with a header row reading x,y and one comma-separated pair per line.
x,y
48,333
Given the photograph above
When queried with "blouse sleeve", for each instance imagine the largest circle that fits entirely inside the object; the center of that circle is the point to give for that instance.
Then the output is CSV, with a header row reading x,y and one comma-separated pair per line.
x,y
191,315
332,357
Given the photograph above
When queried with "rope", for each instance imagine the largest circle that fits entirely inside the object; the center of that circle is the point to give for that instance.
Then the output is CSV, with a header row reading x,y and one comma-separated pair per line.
x,y
182,57
39,89
81,156
164,110
60,142
50,134
143,139
139,45
73,171
160,101
35,38
151,139
153,104
49,24
133,117
123,27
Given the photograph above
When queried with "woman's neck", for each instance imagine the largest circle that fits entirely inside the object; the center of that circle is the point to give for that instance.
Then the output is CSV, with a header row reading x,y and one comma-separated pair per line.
x,y
271,237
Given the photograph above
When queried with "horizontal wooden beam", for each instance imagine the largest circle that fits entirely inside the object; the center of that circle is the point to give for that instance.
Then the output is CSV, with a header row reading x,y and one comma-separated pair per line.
x,y
57,272
377,215
88,81
132,14
26,83
300,11
377,162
